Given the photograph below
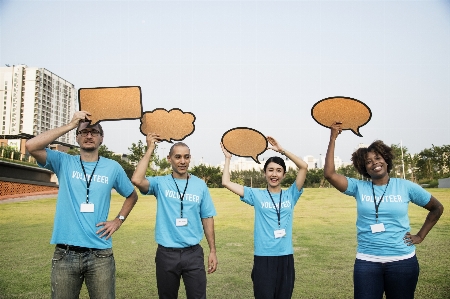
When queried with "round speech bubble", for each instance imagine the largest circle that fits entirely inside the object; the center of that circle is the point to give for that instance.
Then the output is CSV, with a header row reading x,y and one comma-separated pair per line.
x,y
353,114
170,125
245,142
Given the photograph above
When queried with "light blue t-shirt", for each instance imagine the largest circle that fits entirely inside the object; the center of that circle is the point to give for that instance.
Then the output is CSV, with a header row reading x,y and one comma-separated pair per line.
x,y
197,204
266,219
70,225
392,212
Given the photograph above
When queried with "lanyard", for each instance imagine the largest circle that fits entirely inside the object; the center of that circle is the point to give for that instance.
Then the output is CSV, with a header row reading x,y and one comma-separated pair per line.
x,y
278,210
88,182
181,195
379,202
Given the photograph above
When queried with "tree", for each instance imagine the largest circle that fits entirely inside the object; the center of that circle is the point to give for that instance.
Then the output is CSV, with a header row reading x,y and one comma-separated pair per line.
x,y
211,175
137,151
349,171
398,162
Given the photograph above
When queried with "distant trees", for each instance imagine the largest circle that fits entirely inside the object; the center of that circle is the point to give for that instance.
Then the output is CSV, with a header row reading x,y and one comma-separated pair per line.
x,y
426,167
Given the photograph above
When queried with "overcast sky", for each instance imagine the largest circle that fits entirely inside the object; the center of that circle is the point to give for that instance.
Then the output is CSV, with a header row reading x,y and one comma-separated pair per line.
x,y
257,64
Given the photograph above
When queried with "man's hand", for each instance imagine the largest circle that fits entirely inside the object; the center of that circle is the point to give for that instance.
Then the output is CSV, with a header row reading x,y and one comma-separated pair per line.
x,y
212,262
108,228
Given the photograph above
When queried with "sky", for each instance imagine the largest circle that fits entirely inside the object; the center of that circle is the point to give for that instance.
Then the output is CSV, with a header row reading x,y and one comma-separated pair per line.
x,y
256,64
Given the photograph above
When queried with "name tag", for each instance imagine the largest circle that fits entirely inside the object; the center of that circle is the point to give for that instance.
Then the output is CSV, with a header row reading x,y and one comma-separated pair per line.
x,y
377,228
87,208
279,233
181,222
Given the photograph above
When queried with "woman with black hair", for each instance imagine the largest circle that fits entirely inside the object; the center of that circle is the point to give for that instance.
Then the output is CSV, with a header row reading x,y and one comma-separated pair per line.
x,y
385,260
273,271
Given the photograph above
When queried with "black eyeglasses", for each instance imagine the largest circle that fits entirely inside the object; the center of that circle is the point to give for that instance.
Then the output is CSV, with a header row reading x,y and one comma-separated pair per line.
x,y
85,133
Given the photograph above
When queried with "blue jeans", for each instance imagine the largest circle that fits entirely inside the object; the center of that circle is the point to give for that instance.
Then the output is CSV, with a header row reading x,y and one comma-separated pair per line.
x,y
397,280
96,267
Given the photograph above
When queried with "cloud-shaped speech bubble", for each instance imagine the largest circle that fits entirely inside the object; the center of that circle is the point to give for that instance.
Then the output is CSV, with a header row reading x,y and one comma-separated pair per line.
x,y
111,103
245,142
170,125
352,113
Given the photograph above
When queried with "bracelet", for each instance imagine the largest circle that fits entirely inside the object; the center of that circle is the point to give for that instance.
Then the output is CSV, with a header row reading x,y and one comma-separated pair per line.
x,y
283,153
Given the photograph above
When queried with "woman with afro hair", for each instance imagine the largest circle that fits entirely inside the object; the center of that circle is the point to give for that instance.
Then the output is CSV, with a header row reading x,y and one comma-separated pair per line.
x,y
385,260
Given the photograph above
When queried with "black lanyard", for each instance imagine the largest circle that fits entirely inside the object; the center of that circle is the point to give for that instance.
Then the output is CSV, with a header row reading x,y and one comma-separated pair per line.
x,y
278,210
181,195
88,182
379,202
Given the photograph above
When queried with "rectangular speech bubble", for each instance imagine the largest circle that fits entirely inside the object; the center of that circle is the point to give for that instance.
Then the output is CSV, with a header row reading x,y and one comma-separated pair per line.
x,y
111,103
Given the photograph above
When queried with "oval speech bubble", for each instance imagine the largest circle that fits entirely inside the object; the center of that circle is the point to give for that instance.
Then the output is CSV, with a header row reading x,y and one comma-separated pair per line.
x,y
245,142
170,125
111,103
353,114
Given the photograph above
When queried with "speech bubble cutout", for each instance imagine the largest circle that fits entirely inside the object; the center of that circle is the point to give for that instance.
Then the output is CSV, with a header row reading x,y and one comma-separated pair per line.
x,y
111,103
352,113
245,142
170,125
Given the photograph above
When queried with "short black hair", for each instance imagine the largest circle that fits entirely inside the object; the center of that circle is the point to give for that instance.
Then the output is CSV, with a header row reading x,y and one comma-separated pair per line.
x,y
276,160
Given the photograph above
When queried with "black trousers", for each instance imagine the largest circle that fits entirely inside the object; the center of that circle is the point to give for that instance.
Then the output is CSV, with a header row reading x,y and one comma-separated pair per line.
x,y
174,263
273,277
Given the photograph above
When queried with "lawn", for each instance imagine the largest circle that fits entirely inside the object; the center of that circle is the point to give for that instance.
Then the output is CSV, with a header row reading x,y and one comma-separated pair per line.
x,y
324,244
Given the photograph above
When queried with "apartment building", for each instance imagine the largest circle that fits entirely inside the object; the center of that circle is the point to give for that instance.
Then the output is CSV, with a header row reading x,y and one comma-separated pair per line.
x,y
34,100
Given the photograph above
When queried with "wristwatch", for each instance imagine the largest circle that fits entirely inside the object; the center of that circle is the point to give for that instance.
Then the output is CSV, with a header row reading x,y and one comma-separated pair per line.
x,y
121,218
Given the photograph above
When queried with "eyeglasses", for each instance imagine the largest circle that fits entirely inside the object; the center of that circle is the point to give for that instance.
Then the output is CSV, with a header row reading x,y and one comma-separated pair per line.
x,y
85,133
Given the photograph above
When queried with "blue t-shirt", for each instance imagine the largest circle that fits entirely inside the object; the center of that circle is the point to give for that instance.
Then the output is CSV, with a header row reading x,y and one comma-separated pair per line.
x,y
392,212
266,219
197,204
70,225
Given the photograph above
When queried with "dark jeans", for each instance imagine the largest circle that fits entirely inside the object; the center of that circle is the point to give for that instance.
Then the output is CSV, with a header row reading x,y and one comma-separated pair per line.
x,y
273,277
95,267
174,263
397,280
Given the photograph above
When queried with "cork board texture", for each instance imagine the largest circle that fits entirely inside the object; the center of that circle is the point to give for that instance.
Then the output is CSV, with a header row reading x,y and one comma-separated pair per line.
x,y
353,114
245,142
111,103
170,125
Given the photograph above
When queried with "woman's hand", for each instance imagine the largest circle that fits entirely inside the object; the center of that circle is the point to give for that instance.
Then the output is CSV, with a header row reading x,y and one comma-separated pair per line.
x,y
336,129
412,239
274,144
225,152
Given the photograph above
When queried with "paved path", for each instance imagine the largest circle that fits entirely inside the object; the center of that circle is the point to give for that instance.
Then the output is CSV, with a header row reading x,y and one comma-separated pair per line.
x,y
26,197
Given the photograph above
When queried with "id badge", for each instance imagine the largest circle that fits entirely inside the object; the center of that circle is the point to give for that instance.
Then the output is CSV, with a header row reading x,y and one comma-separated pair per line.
x,y
87,208
181,222
377,228
279,233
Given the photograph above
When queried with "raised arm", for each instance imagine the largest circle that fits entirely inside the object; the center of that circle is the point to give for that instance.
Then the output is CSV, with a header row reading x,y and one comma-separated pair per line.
x,y
302,165
226,182
337,180
138,178
36,145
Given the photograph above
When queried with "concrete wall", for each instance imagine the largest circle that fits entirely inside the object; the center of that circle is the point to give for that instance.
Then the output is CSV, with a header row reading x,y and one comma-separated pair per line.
x,y
444,183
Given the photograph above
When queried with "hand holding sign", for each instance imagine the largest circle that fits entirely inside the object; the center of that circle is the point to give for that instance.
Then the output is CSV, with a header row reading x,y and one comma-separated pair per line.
x,y
245,142
169,125
111,103
352,113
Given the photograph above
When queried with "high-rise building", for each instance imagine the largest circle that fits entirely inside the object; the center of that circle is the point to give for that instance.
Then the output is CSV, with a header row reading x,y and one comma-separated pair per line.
x,y
34,100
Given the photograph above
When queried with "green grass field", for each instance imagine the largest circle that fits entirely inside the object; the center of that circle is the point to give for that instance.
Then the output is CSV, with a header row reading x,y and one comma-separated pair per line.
x,y
324,243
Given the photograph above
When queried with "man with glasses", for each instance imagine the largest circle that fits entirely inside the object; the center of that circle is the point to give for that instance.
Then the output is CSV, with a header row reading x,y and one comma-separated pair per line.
x,y
81,231
184,211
